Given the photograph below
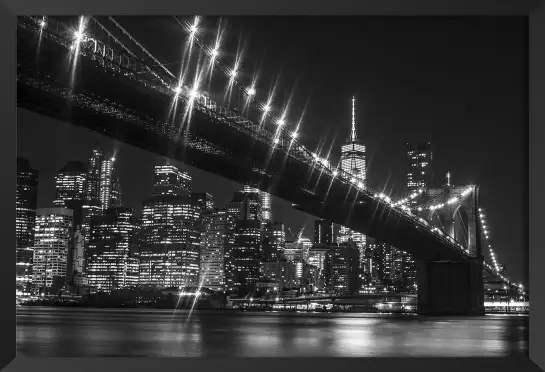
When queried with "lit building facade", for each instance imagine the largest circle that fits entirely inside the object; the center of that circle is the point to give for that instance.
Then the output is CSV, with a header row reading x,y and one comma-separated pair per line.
x,y
71,193
261,198
243,265
169,243
248,203
320,259
204,201
273,241
324,232
344,268
346,235
25,220
169,180
110,264
94,167
106,174
92,206
52,244
392,267
419,166
293,251
70,184
116,196
215,242
285,274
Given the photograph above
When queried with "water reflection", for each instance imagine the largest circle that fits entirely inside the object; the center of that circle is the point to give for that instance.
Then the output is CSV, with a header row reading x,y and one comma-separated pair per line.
x,y
132,333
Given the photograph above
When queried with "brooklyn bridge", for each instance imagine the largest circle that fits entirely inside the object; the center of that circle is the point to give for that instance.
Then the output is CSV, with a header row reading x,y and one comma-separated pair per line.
x,y
90,72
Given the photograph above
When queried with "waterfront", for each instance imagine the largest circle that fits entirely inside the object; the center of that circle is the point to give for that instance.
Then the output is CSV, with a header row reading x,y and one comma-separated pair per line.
x,y
79,332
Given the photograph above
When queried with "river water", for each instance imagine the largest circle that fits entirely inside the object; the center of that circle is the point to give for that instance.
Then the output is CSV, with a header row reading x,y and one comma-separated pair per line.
x,y
78,332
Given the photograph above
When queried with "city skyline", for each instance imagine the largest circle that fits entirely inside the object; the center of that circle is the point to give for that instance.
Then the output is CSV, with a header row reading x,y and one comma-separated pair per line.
x,y
340,117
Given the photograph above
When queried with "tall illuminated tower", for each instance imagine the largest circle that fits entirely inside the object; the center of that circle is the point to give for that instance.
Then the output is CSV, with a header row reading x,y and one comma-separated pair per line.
x,y
106,171
92,206
353,152
353,162
93,176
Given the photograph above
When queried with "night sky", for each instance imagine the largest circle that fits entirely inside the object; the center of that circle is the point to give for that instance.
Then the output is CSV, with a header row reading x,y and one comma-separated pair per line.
x,y
459,83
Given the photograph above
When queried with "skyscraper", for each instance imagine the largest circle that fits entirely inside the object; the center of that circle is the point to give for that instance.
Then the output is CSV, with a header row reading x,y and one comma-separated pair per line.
x,y
244,260
320,258
353,153
204,201
109,262
70,189
274,239
344,268
419,166
169,242
52,244
353,162
264,201
93,176
106,174
26,201
169,180
116,196
248,202
92,205
215,241
70,184
324,232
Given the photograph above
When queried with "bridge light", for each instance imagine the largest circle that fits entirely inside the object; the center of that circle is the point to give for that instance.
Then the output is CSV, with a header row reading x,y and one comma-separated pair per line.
x,y
251,91
276,140
79,35
193,28
177,90
281,122
193,94
214,53
233,73
360,185
42,23
266,108
294,135
335,173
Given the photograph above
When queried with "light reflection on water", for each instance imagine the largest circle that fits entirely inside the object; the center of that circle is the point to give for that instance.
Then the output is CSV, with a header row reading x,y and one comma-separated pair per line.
x,y
157,333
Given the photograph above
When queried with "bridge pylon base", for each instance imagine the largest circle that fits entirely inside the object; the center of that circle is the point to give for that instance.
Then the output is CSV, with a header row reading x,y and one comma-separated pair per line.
x,y
450,288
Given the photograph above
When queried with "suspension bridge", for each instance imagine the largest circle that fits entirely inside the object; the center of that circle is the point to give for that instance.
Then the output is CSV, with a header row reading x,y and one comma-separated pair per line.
x,y
91,72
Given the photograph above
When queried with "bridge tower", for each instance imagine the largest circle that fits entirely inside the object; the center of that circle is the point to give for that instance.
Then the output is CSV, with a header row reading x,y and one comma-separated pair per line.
x,y
459,218
453,288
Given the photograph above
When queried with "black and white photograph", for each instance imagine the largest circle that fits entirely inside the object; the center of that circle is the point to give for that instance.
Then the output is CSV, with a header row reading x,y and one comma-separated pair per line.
x,y
272,186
